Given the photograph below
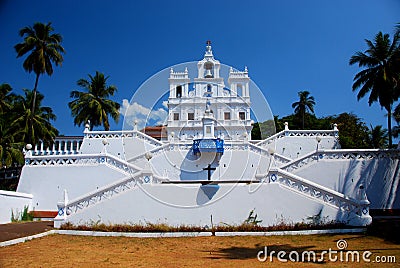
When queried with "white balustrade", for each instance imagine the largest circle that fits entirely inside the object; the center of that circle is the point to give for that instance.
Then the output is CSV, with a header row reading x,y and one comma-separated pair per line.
x,y
299,133
319,192
354,154
129,182
122,134
60,146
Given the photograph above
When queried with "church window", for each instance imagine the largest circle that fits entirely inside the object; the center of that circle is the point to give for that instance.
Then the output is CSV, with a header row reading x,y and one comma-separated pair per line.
x,y
179,91
227,116
208,88
242,115
208,129
176,116
190,116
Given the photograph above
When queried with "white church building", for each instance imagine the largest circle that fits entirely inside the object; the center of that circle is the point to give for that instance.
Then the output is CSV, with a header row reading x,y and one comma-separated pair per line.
x,y
207,170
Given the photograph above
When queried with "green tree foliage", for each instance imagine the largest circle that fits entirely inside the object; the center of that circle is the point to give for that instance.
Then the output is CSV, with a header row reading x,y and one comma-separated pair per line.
x,y
32,127
10,147
93,104
5,98
255,132
353,132
378,137
263,130
306,103
380,73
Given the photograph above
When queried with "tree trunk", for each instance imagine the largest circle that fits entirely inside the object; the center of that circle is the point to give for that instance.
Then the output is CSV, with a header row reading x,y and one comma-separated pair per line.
x,y
30,121
34,94
389,110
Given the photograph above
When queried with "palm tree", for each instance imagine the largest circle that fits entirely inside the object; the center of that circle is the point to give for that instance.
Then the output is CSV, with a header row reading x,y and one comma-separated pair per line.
x,y
378,137
305,103
10,149
93,103
379,75
44,47
5,97
33,127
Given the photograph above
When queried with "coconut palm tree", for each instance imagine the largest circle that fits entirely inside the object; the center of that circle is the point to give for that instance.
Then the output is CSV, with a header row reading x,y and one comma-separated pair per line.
x,y
378,137
305,103
10,148
33,127
379,75
5,97
93,103
44,48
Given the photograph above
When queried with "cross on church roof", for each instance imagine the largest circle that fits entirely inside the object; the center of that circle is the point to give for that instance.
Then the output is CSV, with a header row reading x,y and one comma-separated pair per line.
x,y
208,42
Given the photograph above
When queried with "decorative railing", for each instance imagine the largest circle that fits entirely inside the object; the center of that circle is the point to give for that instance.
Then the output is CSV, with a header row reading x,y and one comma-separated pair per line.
x,y
299,133
108,192
313,190
340,154
269,140
122,134
228,145
63,160
153,152
81,160
60,146
262,151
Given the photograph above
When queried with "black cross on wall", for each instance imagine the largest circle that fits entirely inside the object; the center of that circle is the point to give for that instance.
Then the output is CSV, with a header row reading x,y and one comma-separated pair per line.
x,y
209,168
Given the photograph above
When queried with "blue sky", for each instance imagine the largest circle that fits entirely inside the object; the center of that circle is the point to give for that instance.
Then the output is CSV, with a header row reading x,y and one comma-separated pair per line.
x,y
288,46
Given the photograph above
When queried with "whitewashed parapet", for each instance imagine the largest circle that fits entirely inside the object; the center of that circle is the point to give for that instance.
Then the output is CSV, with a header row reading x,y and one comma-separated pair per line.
x,y
360,207
154,152
299,133
262,151
107,192
122,134
269,140
60,146
81,160
337,154
62,160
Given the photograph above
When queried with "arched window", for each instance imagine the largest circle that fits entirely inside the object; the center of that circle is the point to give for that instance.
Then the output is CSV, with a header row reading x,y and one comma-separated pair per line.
x,y
242,116
208,70
178,91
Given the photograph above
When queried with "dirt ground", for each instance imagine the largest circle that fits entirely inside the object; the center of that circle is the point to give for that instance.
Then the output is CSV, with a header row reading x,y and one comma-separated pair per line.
x,y
21,229
80,251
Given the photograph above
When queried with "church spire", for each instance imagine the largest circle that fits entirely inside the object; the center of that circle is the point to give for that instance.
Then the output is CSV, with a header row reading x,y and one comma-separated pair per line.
x,y
209,53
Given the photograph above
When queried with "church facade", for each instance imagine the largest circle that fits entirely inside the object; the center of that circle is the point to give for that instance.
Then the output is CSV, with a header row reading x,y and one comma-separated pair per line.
x,y
227,109
206,169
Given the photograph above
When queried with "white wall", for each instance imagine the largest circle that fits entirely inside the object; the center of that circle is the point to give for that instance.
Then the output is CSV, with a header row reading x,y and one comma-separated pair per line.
x,y
47,183
233,165
295,147
188,204
12,201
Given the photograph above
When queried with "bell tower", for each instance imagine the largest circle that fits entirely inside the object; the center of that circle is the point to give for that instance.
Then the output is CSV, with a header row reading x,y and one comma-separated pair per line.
x,y
208,68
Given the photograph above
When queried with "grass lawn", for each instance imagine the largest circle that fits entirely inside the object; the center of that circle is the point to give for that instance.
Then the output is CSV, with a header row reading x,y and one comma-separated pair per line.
x,y
80,251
